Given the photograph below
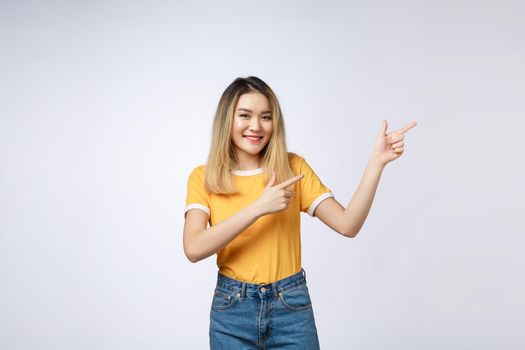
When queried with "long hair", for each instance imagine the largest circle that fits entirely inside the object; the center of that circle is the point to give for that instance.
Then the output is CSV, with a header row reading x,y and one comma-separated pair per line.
x,y
222,158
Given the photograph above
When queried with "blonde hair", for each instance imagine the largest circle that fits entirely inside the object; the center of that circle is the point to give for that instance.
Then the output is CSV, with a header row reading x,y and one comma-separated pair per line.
x,y
222,158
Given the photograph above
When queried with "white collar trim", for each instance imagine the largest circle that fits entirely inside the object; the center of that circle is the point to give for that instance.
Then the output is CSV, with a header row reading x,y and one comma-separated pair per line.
x,y
247,172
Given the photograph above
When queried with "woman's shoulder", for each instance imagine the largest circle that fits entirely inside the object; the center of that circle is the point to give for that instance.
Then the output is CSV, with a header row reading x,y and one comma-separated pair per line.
x,y
199,170
295,160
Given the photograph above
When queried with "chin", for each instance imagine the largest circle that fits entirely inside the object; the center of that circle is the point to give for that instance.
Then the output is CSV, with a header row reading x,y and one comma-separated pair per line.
x,y
253,152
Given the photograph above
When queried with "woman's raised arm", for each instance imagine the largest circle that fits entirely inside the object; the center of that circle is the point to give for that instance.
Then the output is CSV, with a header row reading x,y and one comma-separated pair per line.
x,y
349,221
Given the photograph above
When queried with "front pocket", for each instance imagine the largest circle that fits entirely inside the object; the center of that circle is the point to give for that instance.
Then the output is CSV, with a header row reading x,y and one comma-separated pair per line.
x,y
296,299
223,300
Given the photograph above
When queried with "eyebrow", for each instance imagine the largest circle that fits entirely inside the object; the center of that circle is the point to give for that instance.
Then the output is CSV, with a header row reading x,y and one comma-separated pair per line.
x,y
247,110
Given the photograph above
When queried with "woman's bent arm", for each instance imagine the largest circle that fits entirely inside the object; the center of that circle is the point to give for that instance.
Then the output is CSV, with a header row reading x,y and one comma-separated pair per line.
x,y
201,242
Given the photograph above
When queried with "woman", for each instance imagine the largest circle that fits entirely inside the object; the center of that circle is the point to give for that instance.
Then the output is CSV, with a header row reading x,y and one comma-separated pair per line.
x,y
251,191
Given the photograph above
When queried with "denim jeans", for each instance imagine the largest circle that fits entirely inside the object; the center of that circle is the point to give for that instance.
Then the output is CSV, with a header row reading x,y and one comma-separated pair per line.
x,y
277,315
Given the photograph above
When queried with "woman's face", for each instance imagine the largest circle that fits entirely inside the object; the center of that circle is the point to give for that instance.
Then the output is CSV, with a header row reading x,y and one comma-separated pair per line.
x,y
252,124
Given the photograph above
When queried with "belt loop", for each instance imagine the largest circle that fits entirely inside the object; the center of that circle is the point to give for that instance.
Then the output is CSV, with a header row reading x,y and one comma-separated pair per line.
x,y
275,290
243,290
304,274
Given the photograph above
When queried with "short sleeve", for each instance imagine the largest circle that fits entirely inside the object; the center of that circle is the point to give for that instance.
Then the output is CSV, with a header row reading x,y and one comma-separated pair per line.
x,y
197,197
313,191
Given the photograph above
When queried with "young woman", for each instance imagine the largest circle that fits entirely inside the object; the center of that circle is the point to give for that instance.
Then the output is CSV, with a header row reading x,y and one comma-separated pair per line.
x,y
251,191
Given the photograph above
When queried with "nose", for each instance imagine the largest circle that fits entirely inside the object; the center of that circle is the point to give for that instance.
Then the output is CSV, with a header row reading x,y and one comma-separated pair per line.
x,y
254,124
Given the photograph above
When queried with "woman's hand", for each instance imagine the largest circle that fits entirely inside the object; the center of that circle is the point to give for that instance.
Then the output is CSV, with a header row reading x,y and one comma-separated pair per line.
x,y
390,146
275,198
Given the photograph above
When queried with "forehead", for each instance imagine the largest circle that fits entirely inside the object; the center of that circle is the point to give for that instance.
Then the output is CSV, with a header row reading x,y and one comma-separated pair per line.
x,y
254,101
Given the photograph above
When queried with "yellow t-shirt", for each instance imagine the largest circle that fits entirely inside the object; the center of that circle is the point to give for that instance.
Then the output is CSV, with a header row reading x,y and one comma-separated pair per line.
x,y
270,248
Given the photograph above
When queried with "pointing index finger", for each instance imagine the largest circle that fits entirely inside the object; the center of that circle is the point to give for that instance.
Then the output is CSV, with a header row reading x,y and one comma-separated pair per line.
x,y
290,181
407,127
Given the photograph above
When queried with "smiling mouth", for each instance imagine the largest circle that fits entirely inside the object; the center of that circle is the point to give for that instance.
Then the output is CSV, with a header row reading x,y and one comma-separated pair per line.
x,y
253,138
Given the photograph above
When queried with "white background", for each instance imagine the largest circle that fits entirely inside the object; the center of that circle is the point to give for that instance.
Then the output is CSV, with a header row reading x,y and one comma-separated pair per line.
x,y
106,107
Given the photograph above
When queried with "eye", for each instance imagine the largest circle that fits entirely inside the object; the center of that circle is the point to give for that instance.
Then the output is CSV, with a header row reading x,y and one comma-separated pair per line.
x,y
267,117
244,115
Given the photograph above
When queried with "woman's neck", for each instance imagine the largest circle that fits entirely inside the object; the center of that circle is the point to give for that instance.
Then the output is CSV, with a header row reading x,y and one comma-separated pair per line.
x,y
247,162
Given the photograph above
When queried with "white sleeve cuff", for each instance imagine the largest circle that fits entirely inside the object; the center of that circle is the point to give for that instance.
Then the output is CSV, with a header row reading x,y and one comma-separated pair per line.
x,y
317,201
197,206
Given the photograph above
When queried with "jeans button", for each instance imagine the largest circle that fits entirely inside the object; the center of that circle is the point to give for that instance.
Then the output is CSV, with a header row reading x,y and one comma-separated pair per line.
x,y
263,289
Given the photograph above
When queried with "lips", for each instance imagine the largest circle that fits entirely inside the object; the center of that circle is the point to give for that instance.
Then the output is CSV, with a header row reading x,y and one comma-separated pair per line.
x,y
252,138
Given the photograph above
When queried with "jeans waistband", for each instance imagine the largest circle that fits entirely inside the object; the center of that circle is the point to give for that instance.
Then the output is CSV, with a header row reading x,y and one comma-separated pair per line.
x,y
245,288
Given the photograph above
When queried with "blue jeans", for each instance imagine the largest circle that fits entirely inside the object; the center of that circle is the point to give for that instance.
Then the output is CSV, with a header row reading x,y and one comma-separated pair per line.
x,y
277,315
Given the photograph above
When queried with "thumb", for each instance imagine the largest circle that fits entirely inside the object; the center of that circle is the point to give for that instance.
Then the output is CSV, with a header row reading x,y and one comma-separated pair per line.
x,y
384,126
272,180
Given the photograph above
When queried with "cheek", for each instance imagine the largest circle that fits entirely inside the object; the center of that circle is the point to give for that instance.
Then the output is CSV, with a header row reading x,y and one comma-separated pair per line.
x,y
238,126
237,131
